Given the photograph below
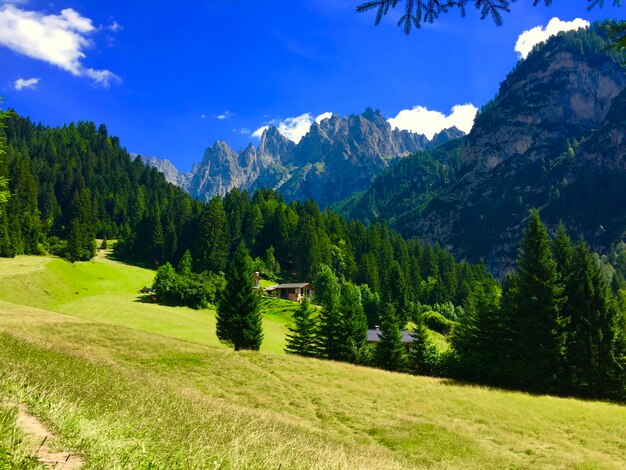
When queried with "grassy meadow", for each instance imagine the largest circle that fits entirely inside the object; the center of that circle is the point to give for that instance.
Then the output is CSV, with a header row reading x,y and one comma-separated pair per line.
x,y
128,384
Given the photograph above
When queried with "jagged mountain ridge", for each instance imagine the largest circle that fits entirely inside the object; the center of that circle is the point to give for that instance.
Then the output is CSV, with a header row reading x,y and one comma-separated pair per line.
x,y
336,158
553,138
171,173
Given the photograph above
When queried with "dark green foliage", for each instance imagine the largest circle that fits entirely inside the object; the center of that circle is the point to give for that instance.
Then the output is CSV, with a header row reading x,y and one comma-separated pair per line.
x,y
423,355
481,340
165,284
354,324
213,243
188,290
81,237
328,296
238,313
301,339
390,351
4,183
417,12
534,300
371,305
271,265
185,264
592,322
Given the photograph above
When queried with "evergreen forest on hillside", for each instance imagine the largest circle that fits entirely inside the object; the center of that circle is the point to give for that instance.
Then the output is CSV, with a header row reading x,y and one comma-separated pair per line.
x,y
556,326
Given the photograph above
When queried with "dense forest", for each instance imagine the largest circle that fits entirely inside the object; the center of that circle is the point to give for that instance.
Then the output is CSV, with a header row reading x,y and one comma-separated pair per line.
x,y
555,326
72,184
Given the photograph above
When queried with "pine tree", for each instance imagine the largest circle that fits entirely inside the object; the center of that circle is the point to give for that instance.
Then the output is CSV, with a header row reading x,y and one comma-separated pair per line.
x,y
481,341
239,322
354,324
397,292
4,182
185,264
592,327
327,294
81,237
423,355
213,242
535,304
390,352
301,339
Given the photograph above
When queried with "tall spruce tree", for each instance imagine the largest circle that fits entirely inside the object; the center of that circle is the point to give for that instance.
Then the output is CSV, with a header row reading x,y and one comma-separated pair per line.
x,y
301,338
81,237
390,352
354,324
185,264
534,303
4,182
423,355
327,295
213,242
481,339
592,326
238,312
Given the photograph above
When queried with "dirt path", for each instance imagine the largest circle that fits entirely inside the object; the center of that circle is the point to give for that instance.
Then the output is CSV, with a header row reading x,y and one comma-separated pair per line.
x,y
40,435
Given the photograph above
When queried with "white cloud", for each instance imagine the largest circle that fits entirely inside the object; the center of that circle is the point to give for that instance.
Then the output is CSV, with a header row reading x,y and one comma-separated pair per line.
x,y
203,116
57,39
323,116
224,115
26,83
425,121
528,39
114,27
294,128
259,132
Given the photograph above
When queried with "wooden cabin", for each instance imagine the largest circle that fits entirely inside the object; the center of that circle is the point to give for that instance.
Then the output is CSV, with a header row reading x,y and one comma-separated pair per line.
x,y
295,292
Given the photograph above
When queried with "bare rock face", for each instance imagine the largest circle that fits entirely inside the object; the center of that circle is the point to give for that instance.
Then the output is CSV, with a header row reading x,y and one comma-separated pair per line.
x,y
553,133
172,175
336,158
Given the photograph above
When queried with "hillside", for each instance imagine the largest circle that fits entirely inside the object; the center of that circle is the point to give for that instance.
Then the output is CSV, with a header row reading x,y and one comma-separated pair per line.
x,y
107,291
550,139
161,402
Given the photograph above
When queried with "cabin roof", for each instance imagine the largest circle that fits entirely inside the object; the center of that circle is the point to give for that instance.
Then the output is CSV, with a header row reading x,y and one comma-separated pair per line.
x,y
292,286
373,336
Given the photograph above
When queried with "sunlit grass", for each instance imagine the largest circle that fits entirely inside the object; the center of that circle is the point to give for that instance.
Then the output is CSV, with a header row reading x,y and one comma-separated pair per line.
x,y
125,397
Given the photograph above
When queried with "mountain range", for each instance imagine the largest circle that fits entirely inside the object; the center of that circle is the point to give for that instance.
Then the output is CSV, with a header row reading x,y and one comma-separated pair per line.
x,y
336,158
554,138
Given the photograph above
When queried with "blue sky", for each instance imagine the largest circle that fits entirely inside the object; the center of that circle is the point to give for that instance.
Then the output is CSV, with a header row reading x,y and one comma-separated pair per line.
x,y
170,78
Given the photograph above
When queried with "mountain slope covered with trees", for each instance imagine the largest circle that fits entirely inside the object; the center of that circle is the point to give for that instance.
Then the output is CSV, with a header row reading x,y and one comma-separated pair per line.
x,y
553,138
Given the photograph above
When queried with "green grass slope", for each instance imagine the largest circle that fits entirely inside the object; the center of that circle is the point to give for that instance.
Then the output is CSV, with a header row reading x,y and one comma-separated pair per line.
x,y
125,397
108,291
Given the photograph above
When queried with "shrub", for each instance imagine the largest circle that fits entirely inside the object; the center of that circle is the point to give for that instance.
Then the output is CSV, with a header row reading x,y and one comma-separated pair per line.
x,y
437,322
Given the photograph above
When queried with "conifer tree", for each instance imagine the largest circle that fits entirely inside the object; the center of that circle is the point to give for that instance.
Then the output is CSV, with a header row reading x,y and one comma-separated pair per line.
x,y
4,182
592,327
481,341
327,295
185,264
354,324
423,355
213,242
534,303
301,339
390,352
81,238
238,313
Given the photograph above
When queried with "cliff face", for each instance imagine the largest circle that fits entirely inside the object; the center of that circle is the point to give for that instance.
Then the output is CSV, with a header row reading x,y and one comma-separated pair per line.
x,y
172,175
556,124
337,157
